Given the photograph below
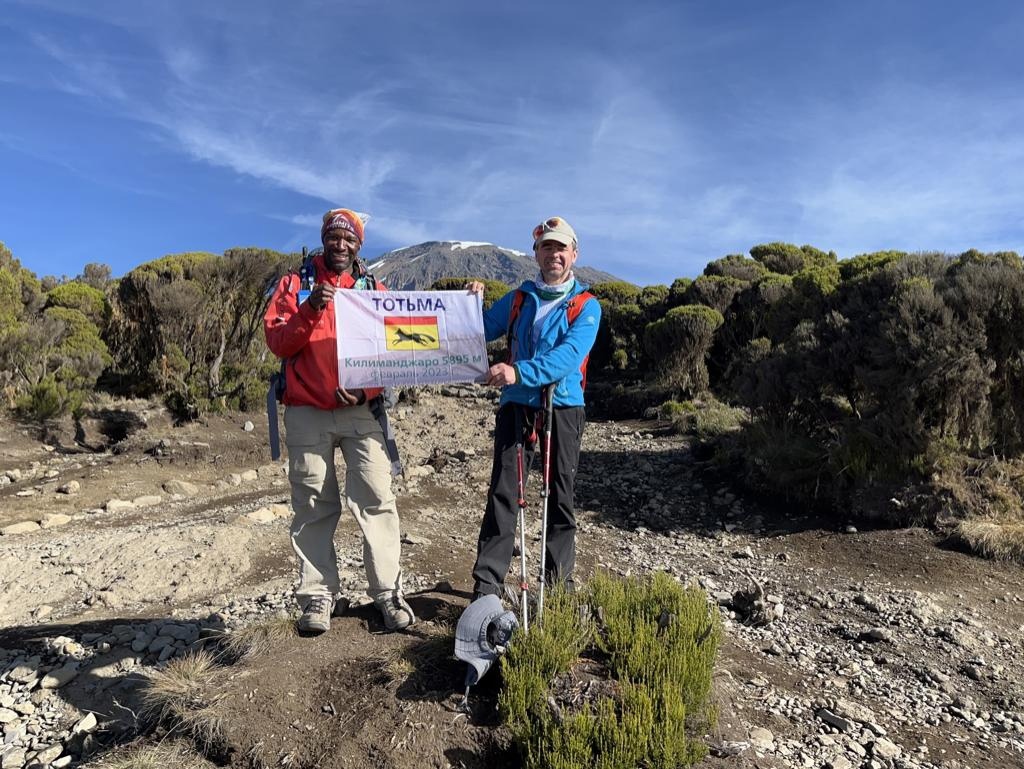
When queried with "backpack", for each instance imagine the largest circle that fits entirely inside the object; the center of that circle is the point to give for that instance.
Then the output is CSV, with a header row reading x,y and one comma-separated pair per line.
x,y
571,313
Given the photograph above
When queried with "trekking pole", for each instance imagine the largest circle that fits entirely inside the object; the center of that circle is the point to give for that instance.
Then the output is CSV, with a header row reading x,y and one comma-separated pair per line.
x,y
548,401
524,584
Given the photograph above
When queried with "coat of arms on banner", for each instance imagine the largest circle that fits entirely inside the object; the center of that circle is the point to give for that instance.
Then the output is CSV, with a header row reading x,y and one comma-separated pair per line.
x,y
412,333
403,338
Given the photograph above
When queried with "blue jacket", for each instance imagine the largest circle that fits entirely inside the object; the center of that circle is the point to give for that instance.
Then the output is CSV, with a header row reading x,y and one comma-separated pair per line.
x,y
560,351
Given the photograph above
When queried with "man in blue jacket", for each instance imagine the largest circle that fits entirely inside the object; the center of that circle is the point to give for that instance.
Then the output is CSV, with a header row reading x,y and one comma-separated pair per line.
x,y
551,323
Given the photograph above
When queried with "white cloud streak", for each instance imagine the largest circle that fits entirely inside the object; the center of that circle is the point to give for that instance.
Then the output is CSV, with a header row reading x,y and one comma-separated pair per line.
x,y
436,152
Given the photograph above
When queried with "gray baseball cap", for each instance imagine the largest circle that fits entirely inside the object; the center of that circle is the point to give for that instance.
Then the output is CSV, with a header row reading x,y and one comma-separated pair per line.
x,y
484,630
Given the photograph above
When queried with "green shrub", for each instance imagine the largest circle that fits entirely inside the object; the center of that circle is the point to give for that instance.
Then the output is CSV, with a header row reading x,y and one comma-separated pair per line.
x,y
707,419
652,300
659,641
679,344
174,266
677,292
787,259
49,399
671,410
736,266
616,292
78,296
714,291
864,264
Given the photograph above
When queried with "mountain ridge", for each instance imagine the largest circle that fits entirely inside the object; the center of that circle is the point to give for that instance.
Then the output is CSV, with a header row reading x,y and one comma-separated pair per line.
x,y
416,267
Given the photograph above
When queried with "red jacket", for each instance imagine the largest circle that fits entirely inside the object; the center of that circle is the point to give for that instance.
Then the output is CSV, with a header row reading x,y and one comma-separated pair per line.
x,y
307,340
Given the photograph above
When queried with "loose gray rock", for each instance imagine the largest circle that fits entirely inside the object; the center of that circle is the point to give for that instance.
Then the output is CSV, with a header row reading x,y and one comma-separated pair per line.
x,y
49,754
876,635
71,487
840,723
884,749
55,679
762,738
86,726
25,527
184,488
263,515
248,426
853,711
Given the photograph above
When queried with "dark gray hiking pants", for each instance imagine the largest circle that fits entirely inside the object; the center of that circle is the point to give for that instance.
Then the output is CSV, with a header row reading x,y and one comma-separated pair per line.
x,y
498,530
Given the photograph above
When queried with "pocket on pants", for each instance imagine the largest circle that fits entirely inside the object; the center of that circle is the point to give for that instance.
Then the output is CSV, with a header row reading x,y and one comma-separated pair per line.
x,y
364,424
305,440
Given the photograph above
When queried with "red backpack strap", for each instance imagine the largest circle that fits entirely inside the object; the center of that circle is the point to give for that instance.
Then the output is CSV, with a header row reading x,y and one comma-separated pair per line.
x,y
572,312
576,305
513,315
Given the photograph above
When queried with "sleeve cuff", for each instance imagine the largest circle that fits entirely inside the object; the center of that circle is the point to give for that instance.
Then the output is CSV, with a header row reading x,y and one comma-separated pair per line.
x,y
306,311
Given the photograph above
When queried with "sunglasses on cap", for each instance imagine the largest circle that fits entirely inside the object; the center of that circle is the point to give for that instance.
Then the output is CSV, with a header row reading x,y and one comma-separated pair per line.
x,y
550,224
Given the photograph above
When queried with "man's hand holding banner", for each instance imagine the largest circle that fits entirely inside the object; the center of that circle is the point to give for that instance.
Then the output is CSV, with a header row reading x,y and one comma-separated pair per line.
x,y
407,338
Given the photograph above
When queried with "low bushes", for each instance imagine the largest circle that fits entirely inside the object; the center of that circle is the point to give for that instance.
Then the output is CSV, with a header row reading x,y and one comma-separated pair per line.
x,y
706,418
655,640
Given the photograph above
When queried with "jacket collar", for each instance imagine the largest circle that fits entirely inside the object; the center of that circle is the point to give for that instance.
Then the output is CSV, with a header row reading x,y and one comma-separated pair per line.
x,y
344,280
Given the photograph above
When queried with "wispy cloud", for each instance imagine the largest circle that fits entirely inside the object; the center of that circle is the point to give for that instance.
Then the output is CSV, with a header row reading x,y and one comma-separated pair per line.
x,y
917,168
90,75
668,135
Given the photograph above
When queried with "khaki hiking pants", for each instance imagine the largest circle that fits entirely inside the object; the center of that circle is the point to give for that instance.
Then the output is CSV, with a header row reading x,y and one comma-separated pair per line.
x,y
311,436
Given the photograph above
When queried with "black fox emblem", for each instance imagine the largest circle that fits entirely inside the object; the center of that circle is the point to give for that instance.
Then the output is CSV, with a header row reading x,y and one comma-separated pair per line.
x,y
414,337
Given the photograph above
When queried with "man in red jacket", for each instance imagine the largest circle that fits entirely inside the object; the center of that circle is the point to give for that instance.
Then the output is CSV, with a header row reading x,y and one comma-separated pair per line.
x,y
319,415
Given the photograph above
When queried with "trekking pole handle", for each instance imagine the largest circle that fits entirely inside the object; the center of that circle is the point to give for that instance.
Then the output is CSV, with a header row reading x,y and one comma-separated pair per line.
x,y
548,402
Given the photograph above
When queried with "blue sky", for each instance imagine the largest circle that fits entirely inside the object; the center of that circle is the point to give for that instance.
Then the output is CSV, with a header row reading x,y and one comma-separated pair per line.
x,y
667,133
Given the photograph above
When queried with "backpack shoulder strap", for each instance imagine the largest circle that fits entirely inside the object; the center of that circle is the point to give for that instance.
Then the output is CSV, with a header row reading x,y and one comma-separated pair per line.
x,y
573,312
517,307
513,315
576,305
307,270
365,280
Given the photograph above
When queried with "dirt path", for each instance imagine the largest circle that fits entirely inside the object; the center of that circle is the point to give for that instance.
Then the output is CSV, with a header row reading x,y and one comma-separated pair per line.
x,y
887,649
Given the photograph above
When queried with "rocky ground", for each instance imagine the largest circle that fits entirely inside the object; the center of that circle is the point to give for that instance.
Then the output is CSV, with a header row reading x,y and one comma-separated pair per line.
x,y
843,648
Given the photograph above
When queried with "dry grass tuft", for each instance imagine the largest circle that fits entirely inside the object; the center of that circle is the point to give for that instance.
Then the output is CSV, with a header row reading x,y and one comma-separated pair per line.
x,y
255,640
177,754
447,617
181,695
992,539
423,660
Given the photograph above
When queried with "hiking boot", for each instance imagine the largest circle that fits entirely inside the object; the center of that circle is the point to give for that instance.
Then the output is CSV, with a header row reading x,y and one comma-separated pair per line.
x,y
316,617
395,610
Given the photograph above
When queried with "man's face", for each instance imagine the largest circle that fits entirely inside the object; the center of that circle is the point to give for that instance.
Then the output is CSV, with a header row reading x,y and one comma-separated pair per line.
x,y
340,250
555,261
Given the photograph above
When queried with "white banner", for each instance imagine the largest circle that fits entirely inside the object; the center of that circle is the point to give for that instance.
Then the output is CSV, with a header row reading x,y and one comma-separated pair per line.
x,y
406,338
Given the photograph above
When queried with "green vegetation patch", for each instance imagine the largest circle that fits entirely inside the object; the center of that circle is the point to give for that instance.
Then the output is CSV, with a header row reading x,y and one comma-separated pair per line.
x,y
707,418
616,677
89,301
